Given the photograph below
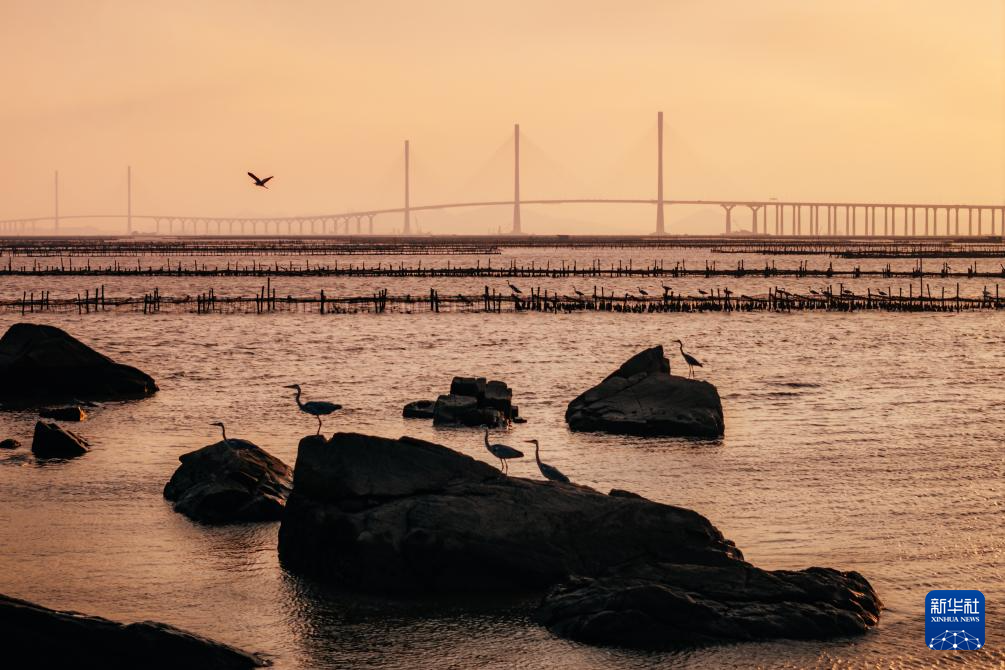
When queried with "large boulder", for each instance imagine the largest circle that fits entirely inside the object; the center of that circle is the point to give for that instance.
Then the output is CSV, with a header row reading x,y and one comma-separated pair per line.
x,y
643,398
662,606
377,514
43,363
463,410
38,637
228,482
51,441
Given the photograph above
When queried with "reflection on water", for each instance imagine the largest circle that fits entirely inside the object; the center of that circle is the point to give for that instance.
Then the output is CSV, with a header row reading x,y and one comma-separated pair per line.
x,y
861,441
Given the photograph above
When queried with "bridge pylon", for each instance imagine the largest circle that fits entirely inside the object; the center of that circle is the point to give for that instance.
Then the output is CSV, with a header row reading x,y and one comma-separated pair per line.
x,y
660,225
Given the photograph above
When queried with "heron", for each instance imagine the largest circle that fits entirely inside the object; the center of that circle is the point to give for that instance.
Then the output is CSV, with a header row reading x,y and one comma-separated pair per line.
x,y
549,471
259,182
316,408
702,291
689,359
642,291
814,292
514,289
502,451
578,292
845,291
666,289
224,429
882,293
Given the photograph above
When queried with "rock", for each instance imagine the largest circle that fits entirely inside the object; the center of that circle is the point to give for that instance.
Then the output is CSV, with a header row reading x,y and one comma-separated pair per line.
x,y
643,398
72,413
376,514
229,482
420,409
498,396
10,443
469,386
35,636
661,606
51,441
43,363
462,410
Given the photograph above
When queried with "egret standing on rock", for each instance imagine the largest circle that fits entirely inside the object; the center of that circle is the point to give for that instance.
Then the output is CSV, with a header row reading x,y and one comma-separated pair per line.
x,y
502,451
317,408
689,359
549,471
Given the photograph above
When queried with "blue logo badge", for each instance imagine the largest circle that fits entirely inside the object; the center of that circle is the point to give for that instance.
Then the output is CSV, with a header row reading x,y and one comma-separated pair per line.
x,y
954,620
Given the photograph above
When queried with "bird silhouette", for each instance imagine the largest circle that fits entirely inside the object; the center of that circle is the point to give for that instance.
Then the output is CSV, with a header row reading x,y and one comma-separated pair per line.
x,y
702,291
316,408
549,471
503,452
642,291
259,182
222,428
514,289
689,359
578,292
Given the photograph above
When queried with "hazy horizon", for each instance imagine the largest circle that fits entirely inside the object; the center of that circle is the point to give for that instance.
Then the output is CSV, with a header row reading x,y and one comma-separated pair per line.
x,y
830,101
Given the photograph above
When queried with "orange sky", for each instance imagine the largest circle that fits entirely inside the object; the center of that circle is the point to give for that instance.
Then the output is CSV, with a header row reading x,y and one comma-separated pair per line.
x,y
900,100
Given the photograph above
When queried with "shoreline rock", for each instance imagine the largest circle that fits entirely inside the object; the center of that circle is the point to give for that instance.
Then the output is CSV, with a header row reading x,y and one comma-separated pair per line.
x,y
230,482
47,638
51,441
72,413
40,364
643,398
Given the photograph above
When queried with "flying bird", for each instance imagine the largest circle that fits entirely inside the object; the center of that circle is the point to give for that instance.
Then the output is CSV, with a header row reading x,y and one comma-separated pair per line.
x,y
549,471
502,451
259,182
689,359
316,408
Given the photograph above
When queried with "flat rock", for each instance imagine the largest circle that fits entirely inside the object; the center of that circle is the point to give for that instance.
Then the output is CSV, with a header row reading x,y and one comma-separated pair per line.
x,y
39,637
51,441
419,409
666,606
72,413
43,363
462,410
643,398
377,514
230,482
10,443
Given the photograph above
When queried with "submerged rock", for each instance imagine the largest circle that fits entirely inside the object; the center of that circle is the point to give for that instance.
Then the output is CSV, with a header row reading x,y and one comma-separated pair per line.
x,y
10,443
381,515
228,482
643,398
39,637
43,363
377,514
665,606
72,413
51,441
420,409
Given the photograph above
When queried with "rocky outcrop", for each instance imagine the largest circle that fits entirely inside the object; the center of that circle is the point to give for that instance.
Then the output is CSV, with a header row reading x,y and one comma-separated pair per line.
x,y
43,363
378,514
38,637
10,443
72,413
381,515
229,482
420,409
51,441
643,398
472,401
665,606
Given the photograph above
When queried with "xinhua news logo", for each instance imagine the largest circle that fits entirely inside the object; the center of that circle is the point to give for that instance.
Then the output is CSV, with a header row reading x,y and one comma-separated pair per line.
x,y
954,620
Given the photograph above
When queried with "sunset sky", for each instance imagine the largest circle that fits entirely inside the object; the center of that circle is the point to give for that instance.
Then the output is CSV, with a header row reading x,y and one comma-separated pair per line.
x,y
900,100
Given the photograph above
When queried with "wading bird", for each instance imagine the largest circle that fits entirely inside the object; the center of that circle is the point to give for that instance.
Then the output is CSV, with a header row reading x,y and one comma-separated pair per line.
x,y
225,440
689,359
316,408
666,289
642,291
578,292
514,289
259,182
502,451
549,471
702,291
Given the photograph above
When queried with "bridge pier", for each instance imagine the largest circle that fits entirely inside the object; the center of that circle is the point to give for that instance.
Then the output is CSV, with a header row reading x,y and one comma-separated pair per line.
x,y
370,223
729,219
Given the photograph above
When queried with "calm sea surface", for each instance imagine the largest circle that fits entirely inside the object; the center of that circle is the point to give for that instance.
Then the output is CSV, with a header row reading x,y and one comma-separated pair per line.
x,y
865,441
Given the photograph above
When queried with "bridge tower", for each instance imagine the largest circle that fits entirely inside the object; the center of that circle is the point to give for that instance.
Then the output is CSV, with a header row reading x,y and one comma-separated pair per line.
x,y
129,199
408,214
55,203
516,179
660,226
